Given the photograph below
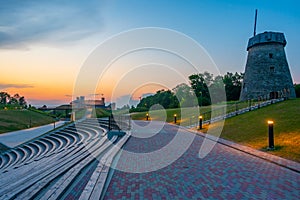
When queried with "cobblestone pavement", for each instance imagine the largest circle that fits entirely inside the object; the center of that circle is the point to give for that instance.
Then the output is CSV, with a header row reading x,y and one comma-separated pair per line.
x,y
225,173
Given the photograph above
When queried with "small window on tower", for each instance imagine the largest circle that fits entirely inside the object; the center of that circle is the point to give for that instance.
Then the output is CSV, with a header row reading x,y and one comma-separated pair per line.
x,y
272,69
270,55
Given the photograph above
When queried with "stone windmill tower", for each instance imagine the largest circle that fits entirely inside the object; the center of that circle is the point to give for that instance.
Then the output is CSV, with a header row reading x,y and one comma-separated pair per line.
x,y
267,73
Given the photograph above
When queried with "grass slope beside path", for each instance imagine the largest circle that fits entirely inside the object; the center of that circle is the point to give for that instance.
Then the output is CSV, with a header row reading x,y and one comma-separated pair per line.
x,y
251,129
12,120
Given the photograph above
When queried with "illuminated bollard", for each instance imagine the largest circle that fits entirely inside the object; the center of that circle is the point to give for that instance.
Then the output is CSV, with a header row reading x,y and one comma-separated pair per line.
x,y
175,118
200,122
271,135
147,116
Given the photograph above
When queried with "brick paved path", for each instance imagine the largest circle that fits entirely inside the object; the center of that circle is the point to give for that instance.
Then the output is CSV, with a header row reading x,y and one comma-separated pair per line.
x,y
224,174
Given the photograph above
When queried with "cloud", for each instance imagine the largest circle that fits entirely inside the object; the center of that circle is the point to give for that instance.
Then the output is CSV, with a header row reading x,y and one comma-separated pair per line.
x,y
5,86
23,23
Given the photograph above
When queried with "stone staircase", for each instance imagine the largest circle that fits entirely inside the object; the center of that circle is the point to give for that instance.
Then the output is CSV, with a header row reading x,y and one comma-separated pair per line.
x,y
71,162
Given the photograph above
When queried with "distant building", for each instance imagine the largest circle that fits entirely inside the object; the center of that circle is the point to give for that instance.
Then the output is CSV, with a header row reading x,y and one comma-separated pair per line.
x,y
81,102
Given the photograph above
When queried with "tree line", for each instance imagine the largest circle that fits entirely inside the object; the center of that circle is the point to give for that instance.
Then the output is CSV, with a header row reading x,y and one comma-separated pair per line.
x,y
197,92
8,101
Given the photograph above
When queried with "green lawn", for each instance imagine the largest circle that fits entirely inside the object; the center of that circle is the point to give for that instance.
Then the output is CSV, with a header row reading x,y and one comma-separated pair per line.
x,y
251,129
188,116
184,116
12,120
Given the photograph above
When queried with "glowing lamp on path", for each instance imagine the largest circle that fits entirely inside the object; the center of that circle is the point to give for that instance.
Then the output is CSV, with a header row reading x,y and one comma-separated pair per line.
x,y
175,118
271,135
200,122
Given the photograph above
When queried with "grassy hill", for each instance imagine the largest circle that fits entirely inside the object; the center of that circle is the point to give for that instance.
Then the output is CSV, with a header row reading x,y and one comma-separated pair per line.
x,y
12,120
251,129
188,116
168,115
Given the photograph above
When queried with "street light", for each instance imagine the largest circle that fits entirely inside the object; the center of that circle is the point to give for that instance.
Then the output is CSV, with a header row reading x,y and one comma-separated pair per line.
x,y
175,118
271,135
147,116
200,122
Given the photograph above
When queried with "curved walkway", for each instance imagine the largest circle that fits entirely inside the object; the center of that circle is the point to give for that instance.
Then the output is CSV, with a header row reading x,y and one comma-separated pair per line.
x,y
225,173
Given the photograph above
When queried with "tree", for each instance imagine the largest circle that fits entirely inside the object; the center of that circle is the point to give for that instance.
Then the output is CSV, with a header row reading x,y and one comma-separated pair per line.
x,y
22,102
206,83
200,83
185,95
4,98
165,98
13,101
233,85
217,90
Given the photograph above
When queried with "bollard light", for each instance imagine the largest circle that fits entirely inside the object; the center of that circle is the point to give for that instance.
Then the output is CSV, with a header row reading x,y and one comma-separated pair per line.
x,y
200,121
175,118
271,135
147,116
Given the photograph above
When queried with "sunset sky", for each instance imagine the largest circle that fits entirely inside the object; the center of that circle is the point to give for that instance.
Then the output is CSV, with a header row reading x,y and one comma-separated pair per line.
x,y
43,44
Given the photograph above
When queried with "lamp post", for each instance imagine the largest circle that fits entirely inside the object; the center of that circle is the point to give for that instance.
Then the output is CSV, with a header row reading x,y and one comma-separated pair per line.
x,y
271,135
200,122
175,118
147,116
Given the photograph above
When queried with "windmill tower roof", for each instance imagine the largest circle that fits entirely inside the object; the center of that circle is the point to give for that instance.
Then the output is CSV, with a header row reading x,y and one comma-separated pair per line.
x,y
266,37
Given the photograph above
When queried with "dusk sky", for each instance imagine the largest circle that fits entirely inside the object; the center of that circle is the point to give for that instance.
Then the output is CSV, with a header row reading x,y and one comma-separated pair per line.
x,y
43,44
